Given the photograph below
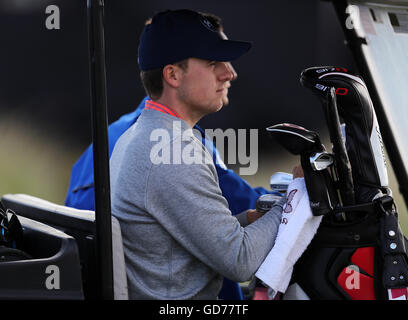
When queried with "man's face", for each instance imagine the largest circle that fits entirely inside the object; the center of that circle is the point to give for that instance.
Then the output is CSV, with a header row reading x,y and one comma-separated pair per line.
x,y
204,85
225,99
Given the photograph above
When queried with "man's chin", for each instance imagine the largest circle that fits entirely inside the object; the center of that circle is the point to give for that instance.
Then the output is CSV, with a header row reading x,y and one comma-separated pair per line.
x,y
220,107
225,102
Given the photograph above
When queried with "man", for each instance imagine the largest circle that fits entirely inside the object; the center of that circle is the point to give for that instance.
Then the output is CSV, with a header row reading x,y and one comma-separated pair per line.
x,y
179,236
239,194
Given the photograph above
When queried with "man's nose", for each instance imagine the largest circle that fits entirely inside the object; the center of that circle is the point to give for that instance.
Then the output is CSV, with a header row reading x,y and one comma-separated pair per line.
x,y
234,73
228,72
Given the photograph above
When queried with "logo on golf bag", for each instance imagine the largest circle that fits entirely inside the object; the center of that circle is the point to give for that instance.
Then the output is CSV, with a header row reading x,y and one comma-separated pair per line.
x,y
288,205
341,91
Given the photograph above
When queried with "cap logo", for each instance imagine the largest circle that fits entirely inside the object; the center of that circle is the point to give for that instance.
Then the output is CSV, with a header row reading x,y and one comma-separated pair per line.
x,y
207,24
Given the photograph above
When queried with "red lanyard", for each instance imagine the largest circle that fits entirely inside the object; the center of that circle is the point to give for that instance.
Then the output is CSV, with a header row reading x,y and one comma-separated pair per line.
x,y
150,105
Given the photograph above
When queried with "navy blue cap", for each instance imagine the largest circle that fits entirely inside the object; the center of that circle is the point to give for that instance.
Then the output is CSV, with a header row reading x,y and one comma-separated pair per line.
x,y
173,36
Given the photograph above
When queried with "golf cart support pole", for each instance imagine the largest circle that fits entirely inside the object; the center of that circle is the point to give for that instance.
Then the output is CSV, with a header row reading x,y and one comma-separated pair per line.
x,y
95,16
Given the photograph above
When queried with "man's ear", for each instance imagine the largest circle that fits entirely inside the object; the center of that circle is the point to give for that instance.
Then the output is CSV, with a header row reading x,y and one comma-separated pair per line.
x,y
172,75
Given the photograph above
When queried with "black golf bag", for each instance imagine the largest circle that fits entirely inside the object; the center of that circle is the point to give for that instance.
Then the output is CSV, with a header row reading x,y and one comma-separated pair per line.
x,y
359,251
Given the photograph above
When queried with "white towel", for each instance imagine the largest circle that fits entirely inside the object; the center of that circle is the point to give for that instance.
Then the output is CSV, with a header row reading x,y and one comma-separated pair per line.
x,y
296,231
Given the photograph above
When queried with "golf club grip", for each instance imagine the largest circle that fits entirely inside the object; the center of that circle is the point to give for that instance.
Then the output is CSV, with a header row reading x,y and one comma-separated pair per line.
x,y
315,181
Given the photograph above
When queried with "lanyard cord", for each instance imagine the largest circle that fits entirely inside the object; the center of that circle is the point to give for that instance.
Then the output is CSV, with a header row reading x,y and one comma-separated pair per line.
x,y
150,105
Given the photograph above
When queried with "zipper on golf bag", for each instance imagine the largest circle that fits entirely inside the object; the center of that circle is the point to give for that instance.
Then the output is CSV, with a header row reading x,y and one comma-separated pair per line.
x,y
394,252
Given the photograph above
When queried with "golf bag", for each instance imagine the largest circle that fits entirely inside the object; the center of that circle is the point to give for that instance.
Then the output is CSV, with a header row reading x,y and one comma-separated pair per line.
x,y
359,251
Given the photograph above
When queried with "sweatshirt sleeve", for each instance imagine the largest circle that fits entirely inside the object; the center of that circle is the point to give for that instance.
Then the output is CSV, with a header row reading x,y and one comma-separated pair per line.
x,y
242,218
187,201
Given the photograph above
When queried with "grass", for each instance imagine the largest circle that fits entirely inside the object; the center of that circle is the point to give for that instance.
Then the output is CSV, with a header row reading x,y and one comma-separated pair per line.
x,y
34,162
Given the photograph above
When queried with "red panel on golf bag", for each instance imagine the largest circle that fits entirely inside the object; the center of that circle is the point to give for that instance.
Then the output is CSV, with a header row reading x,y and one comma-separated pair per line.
x,y
356,284
398,294
364,259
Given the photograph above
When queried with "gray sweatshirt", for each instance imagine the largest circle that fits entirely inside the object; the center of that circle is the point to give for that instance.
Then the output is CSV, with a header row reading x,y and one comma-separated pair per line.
x,y
180,239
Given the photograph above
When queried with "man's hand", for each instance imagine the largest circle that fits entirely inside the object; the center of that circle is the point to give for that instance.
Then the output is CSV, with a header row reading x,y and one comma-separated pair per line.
x,y
297,172
253,215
